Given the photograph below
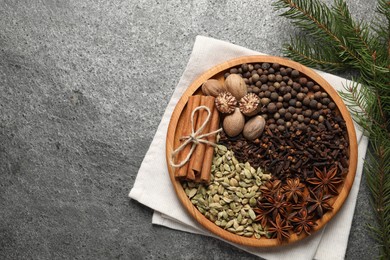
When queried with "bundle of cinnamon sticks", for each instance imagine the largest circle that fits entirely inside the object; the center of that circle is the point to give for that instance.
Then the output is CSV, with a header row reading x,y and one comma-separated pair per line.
x,y
198,168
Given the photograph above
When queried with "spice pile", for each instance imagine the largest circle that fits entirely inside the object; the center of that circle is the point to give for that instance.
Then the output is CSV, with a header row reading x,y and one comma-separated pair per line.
x,y
277,119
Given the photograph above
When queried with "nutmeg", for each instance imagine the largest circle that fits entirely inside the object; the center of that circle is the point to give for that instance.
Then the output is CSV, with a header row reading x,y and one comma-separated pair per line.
x,y
212,87
250,104
234,123
235,84
225,102
254,128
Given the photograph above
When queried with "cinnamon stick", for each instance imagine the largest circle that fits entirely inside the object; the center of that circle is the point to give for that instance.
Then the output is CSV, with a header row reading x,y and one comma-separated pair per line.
x,y
209,153
196,161
192,103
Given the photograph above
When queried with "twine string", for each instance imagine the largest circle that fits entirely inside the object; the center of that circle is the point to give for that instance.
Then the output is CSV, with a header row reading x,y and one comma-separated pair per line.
x,y
195,138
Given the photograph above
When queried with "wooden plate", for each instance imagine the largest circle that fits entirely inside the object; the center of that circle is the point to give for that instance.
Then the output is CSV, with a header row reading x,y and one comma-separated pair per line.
x,y
174,133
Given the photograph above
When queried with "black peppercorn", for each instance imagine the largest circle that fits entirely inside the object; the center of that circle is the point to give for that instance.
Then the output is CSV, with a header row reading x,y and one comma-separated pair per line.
x,y
276,116
293,93
287,97
315,115
332,105
310,84
282,111
278,78
291,110
281,128
306,101
274,96
317,95
275,66
272,126
307,113
294,73
255,78
280,122
316,88
296,86
313,103
271,77
292,102
263,78
233,70
265,65
271,107
300,96
265,101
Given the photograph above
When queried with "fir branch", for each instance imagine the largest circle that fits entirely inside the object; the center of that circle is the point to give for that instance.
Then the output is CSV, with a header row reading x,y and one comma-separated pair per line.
x,y
312,55
317,19
377,167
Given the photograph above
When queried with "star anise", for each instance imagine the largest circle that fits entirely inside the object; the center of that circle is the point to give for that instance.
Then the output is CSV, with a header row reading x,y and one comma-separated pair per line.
x,y
280,229
319,202
293,189
274,205
326,181
271,188
261,217
302,203
302,221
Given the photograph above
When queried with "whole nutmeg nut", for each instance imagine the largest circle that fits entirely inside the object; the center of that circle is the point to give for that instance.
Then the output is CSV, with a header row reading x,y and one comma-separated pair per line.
x,y
254,128
213,87
250,104
234,123
225,102
236,85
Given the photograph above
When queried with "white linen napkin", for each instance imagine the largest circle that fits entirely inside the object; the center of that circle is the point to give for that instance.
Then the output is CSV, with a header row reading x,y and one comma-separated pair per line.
x,y
154,189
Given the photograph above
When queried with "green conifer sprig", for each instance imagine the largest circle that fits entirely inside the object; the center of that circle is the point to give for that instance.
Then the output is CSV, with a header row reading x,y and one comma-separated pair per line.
x,y
333,41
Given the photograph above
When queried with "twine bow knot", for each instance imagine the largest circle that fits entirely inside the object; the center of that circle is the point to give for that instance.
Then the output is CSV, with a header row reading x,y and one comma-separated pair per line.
x,y
195,137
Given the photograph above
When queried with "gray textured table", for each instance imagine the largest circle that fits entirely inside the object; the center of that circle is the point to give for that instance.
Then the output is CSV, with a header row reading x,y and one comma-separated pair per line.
x,y
83,85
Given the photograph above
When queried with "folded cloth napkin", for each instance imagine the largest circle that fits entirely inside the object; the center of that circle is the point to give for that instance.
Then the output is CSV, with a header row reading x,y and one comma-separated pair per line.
x,y
154,189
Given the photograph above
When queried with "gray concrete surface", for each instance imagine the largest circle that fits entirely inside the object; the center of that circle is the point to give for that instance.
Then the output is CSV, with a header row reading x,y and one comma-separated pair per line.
x,y
83,85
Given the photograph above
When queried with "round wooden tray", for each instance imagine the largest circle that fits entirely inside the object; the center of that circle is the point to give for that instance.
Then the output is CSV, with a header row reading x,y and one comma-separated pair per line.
x,y
174,133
